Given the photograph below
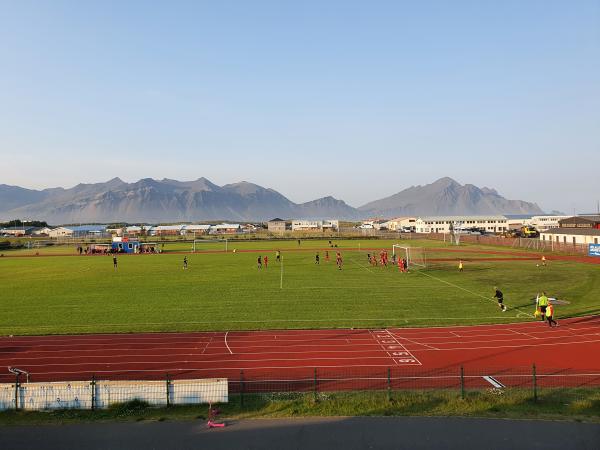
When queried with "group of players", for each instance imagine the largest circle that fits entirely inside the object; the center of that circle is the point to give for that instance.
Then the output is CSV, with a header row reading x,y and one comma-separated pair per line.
x,y
383,260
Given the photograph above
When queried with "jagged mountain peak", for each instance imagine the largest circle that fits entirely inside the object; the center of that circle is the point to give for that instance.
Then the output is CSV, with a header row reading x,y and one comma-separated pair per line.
x,y
447,197
150,200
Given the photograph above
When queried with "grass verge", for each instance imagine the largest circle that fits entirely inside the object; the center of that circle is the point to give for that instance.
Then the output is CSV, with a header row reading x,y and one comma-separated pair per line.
x,y
579,404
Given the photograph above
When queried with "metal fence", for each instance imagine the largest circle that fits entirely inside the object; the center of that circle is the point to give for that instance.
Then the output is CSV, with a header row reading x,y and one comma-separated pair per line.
x,y
168,389
100,394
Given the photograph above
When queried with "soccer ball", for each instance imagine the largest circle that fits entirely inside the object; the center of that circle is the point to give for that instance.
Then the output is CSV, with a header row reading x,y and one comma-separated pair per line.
x,y
537,265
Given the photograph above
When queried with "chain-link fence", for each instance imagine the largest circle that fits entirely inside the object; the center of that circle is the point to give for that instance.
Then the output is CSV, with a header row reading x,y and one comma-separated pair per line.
x,y
168,389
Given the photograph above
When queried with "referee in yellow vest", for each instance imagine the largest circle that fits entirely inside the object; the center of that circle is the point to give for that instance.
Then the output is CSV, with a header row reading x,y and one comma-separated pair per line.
x,y
543,304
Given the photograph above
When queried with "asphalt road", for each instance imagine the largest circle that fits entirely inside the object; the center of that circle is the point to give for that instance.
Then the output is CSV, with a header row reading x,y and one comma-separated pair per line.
x,y
413,433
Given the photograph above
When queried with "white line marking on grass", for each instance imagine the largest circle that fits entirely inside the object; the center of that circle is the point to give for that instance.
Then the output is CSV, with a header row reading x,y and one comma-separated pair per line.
x,y
227,345
360,265
463,289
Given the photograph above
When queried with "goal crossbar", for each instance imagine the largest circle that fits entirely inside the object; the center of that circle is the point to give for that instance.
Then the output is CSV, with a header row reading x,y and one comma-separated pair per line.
x,y
198,243
415,256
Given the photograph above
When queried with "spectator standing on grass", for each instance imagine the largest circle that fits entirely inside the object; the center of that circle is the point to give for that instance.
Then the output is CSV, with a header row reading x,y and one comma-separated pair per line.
x,y
550,315
500,297
543,303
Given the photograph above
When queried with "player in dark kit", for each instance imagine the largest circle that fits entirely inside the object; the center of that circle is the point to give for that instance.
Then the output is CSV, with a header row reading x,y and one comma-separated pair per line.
x,y
259,262
500,297
317,258
184,262
115,262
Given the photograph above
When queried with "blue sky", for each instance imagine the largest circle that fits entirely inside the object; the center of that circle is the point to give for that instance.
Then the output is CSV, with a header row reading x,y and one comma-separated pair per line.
x,y
348,98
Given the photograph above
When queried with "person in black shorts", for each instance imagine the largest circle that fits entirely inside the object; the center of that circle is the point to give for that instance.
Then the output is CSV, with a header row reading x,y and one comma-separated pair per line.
x,y
317,258
184,262
115,262
259,262
500,297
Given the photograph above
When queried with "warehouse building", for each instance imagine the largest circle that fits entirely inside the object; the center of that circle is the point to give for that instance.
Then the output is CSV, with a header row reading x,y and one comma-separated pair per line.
x,y
277,225
445,224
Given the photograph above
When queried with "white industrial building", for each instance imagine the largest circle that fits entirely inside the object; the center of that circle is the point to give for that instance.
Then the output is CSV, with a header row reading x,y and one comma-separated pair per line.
x,y
444,224
401,224
571,235
543,223
315,225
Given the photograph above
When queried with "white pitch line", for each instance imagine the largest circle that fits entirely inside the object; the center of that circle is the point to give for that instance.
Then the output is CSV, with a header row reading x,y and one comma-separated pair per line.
x,y
360,265
227,345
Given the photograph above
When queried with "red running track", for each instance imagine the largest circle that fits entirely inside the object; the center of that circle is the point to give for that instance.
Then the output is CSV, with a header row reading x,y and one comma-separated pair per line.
x,y
427,357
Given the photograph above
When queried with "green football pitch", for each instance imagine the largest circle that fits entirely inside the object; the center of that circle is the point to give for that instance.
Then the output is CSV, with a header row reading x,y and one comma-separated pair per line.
x,y
226,291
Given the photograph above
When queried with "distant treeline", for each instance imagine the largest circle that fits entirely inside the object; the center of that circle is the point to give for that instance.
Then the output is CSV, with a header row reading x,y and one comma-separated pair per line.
x,y
18,223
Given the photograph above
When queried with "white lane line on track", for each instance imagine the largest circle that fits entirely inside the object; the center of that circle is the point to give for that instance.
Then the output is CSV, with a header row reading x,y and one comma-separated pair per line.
x,y
536,344
204,369
523,334
205,347
191,361
411,341
340,346
226,344
357,354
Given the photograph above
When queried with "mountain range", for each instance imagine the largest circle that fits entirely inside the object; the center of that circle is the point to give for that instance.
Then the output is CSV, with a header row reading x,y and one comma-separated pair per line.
x,y
166,200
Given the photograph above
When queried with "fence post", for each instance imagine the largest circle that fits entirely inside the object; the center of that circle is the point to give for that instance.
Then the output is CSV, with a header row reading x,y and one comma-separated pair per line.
x,y
168,385
241,388
462,382
315,384
389,384
17,385
93,385
534,384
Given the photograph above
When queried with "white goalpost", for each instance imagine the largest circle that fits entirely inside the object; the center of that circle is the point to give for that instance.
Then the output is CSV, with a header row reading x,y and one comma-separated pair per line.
x,y
415,256
198,244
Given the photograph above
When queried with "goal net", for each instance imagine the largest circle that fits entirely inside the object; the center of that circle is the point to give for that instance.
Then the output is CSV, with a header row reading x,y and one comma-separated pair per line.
x,y
200,245
415,256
